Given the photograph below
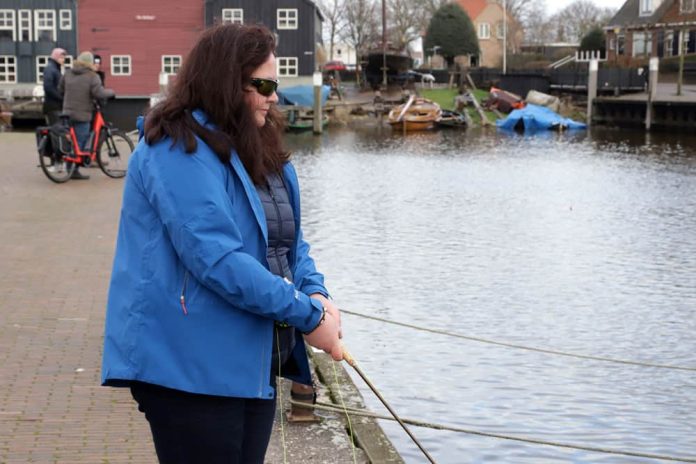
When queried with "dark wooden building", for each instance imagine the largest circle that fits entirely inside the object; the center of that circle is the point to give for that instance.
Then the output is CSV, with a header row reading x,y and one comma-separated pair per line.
x,y
139,40
29,30
296,23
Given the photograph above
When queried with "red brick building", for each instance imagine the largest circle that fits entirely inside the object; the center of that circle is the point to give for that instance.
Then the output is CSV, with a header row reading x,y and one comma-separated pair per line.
x,y
138,39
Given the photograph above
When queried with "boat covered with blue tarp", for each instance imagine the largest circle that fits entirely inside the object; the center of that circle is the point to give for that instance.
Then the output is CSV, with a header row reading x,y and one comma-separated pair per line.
x,y
301,95
535,117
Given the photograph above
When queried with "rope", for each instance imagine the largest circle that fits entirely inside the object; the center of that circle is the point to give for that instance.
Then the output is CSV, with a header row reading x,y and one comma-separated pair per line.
x,y
279,389
521,347
417,423
350,426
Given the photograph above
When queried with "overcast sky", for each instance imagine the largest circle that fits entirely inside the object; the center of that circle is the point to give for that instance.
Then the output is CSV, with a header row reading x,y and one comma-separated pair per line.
x,y
556,5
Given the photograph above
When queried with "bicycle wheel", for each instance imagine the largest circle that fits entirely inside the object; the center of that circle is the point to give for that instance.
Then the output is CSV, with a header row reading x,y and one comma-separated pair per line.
x,y
114,152
53,165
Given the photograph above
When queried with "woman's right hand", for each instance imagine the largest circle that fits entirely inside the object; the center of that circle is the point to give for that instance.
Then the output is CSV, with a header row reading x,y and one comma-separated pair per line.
x,y
325,337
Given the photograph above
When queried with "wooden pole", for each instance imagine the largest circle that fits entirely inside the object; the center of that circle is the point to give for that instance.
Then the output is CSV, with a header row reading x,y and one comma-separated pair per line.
x,y
652,90
317,121
683,43
592,87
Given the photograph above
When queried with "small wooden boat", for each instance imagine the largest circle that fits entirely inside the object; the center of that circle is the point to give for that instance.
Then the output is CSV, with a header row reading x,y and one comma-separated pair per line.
x,y
452,119
416,114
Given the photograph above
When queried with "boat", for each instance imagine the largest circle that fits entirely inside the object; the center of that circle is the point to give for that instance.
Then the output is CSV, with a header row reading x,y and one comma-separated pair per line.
x,y
416,114
452,119
301,121
396,65
534,117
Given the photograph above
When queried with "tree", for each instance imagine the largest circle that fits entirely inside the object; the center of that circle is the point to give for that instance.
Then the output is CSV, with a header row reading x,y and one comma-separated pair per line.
x,y
404,22
537,28
593,40
361,25
575,20
452,31
334,13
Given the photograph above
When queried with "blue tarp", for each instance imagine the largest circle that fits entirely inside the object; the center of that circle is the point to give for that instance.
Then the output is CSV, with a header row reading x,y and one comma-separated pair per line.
x,y
535,117
301,95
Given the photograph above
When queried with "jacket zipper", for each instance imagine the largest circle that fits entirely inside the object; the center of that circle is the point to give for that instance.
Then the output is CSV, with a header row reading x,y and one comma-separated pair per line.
x,y
182,297
280,226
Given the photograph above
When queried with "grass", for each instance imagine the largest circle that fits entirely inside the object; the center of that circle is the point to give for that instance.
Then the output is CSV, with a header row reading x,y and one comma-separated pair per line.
x,y
445,98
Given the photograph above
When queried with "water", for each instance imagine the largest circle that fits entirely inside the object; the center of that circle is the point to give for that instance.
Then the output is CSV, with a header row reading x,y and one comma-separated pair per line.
x,y
583,243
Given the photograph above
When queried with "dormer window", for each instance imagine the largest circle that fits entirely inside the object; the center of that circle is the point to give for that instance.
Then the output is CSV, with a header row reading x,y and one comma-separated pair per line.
x,y
646,7
687,6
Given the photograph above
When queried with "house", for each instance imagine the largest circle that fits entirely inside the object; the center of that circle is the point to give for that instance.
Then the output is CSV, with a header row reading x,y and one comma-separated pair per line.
x,y
139,41
488,18
29,30
642,29
345,52
297,25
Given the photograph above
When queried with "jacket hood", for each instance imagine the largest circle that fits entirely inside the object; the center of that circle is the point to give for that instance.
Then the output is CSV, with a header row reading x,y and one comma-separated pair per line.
x,y
81,68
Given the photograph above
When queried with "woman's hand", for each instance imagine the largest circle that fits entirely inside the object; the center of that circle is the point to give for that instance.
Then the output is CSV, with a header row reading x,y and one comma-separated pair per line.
x,y
331,308
326,337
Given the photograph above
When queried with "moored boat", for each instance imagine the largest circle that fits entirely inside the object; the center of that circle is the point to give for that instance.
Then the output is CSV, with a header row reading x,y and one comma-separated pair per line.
x,y
416,114
452,119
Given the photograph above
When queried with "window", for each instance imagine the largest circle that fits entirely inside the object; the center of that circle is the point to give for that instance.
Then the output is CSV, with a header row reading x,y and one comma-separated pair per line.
x,y
45,25
642,43
646,7
120,65
7,25
687,6
287,67
287,18
232,15
669,43
500,30
65,20
621,45
8,69
484,31
67,64
171,64
41,61
25,25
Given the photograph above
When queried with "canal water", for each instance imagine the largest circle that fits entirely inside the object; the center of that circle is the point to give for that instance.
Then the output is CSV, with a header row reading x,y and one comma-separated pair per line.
x,y
582,243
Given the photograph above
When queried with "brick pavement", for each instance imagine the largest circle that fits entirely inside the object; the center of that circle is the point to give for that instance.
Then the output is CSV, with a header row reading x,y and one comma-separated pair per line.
x,y
56,248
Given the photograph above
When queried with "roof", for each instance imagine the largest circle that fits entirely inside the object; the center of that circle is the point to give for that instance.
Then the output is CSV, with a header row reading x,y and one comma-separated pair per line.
x,y
473,8
629,15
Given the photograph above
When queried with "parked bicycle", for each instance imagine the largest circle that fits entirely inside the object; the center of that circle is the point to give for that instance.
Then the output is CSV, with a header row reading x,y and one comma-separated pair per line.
x,y
59,152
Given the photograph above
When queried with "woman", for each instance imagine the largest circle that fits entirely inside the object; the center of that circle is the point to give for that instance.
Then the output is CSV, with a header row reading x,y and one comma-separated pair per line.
x,y
213,289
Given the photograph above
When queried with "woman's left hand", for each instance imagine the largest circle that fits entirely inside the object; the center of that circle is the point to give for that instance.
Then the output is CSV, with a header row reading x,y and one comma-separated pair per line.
x,y
331,308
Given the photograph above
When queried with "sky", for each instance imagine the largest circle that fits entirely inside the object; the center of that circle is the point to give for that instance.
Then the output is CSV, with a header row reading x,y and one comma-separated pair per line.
x,y
557,5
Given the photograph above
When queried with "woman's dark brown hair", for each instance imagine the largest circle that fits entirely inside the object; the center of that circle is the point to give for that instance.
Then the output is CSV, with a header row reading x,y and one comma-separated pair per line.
x,y
214,78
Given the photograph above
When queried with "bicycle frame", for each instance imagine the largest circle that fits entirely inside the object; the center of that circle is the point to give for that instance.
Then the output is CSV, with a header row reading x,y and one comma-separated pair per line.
x,y
98,124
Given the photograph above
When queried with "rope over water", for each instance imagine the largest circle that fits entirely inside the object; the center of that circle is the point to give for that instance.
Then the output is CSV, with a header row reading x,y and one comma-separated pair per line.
x,y
417,423
521,347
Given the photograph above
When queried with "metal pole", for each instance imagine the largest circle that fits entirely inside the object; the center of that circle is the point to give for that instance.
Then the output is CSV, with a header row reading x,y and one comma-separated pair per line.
x,y
683,44
592,87
504,36
317,122
652,90
384,44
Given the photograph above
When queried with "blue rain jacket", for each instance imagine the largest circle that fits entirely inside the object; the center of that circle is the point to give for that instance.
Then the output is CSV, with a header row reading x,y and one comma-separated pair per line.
x,y
191,302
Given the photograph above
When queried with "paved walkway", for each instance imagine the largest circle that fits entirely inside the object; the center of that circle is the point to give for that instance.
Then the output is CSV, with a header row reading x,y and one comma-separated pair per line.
x,y
56,248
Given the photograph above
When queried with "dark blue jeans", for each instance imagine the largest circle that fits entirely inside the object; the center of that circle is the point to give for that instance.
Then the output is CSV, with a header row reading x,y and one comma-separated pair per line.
x,y
189,428
82,133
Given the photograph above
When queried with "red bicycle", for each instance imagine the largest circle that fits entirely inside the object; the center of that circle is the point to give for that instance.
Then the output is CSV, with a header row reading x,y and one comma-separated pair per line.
x,y
59,152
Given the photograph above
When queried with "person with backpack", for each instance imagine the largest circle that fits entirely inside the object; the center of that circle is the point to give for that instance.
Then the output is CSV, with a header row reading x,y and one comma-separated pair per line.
x,y
80,86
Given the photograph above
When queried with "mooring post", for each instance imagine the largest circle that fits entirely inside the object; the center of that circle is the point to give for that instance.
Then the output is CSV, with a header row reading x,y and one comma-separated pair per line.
x,y
592,87
652,90
317,81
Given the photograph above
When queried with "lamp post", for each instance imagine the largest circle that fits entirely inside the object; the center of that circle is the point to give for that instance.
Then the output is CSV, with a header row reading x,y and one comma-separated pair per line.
x,y
504,36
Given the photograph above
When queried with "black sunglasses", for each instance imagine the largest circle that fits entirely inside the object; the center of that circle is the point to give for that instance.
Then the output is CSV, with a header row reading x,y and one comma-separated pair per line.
x,y
265,87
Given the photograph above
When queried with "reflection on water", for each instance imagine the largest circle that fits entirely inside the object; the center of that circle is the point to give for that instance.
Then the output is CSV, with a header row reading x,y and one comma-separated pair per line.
x,y
579,242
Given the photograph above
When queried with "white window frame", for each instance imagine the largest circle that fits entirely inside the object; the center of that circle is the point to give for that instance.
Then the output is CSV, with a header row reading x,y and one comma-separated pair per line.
x,y
67,64
25,16
286,65
11,17
687,6
6,76
171,65
500,30
65,20
646,8
232,16
50,14
484,31
286,18
121,64
41,61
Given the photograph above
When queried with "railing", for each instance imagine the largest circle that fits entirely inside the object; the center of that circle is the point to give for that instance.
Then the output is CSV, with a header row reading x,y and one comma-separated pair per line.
x,y
584,56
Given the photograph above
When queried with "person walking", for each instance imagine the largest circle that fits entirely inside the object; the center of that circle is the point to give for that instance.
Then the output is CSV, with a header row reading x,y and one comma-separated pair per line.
x,y
53,99
213,291
80,86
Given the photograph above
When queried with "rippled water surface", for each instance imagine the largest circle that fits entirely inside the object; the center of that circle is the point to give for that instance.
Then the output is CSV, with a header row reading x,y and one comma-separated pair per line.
x,y
580,243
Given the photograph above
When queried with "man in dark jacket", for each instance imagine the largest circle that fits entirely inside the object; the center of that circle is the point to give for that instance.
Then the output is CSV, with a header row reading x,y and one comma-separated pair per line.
x,y
53,99
80,86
